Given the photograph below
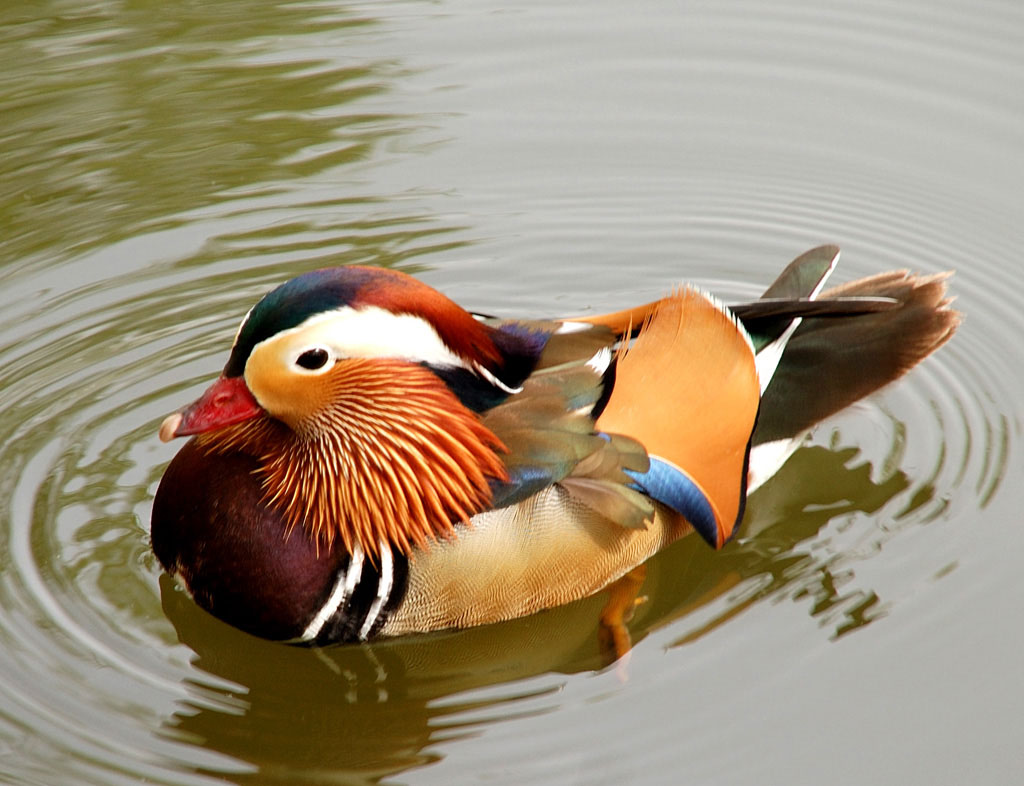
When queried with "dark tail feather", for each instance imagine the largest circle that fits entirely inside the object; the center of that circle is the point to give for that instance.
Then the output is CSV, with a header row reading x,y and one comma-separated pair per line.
x,y
831,363
794,294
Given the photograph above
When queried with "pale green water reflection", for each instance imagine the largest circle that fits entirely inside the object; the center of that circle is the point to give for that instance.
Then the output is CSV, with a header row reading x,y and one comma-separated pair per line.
x,y
162,165
380,703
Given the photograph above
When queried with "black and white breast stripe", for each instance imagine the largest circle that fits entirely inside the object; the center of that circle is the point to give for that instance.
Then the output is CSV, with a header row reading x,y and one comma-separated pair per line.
x,y
361,599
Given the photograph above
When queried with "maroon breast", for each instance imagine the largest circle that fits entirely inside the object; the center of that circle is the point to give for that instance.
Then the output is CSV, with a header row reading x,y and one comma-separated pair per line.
x,y
211,528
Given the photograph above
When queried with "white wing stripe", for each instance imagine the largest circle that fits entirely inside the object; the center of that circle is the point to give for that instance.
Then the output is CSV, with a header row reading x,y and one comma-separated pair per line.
x,y
343,587
387,579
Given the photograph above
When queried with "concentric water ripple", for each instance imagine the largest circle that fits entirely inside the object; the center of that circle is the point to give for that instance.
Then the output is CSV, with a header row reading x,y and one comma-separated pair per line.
x,y
162,170
82,584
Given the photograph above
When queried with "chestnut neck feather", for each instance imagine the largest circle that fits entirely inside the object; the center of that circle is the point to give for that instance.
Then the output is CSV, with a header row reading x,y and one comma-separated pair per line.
x,y
394,458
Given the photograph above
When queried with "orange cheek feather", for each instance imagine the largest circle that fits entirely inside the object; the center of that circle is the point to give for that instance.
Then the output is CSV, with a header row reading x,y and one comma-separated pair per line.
x,y
290,396
376,452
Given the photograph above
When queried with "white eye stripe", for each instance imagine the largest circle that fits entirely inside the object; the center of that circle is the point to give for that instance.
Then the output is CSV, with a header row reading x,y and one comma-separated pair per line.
x,y
371,332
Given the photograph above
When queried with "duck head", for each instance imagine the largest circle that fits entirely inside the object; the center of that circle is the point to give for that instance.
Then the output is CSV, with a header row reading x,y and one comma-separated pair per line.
x,y
358,390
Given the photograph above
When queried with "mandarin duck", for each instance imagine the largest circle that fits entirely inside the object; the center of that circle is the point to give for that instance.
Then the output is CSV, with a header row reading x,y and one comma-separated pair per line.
x,y
375,460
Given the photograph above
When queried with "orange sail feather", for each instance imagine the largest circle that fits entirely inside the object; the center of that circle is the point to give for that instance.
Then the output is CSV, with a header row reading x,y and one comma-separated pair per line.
x,y
687,389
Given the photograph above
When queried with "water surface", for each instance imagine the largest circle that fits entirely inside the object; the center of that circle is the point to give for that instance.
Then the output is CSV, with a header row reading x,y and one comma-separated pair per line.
x,y
164,164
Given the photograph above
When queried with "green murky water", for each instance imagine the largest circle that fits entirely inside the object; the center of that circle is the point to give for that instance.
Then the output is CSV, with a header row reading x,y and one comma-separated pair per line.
x,y
163,164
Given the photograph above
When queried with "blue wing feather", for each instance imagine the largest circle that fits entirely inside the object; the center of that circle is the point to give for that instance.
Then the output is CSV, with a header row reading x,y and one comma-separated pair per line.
x,y
672,487
523,482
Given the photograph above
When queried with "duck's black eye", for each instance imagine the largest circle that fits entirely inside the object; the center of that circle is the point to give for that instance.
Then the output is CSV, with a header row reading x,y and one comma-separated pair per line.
x,y
313,358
